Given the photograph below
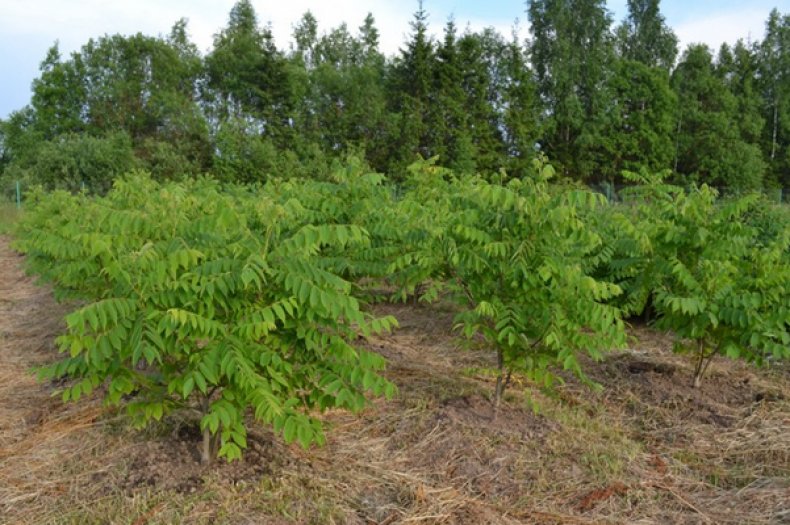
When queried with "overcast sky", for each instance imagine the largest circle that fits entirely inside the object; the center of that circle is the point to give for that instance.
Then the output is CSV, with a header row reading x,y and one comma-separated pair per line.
x,y
29,27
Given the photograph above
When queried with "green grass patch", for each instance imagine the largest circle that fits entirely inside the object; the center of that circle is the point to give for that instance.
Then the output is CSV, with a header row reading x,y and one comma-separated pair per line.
x,y
8,216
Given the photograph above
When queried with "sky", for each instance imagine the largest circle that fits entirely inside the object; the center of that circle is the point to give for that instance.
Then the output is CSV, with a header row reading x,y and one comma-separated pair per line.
x,y
29,27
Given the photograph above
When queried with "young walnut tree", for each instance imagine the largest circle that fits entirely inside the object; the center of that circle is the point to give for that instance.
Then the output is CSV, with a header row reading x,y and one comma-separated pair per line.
x,y
194,298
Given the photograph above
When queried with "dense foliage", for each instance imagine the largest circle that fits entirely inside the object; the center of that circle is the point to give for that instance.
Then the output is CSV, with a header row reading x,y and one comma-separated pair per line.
x,y
236,299
714,273
512,253
218,301
595,98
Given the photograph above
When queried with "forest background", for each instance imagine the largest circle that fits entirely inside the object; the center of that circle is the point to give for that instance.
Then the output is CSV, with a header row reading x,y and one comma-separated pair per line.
x,y
595,96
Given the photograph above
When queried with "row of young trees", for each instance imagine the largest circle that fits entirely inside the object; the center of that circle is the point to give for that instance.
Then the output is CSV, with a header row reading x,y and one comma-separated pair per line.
x,y
596,99
238,302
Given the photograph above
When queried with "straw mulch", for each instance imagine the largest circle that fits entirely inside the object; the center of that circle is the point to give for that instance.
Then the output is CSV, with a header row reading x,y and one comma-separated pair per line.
x,y
648,448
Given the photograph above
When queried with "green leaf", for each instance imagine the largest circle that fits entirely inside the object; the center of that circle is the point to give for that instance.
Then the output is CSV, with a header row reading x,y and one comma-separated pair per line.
x,y
200,381
188,386
290,429
305,436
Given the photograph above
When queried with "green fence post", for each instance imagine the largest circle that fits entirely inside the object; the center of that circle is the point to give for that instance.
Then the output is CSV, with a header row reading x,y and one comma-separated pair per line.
x,y
18,196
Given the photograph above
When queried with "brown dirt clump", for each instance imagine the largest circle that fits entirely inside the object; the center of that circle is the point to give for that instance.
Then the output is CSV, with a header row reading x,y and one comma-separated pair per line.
x,y
648,448
656,387
172,462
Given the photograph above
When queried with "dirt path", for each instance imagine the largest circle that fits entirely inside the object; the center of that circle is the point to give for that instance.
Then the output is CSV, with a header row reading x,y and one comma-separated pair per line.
x,y
34,428
29,318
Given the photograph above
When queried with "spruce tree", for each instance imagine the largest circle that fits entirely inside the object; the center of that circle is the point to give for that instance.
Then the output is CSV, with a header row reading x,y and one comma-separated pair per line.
x,y
449,125
411,88
709,146
305,36
368,105
638,135
479,54
369,41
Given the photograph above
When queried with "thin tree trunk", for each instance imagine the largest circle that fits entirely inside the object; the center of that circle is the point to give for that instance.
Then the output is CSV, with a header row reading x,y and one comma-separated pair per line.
x,y
207,452
677,143
703,362
499,381
502,381
648,311
776,124
699,369
205,455
708,361
697,380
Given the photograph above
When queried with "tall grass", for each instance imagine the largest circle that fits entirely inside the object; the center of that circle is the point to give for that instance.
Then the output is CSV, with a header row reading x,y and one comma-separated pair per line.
x,y
8,216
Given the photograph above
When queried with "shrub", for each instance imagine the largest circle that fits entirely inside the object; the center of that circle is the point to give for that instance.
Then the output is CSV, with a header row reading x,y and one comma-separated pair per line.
x,y
512,254
218,302
715,271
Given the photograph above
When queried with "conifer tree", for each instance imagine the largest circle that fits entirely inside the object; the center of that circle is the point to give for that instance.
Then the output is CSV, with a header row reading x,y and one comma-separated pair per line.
x,y
709,146
638,135
449,110
411,87
479,54
306,37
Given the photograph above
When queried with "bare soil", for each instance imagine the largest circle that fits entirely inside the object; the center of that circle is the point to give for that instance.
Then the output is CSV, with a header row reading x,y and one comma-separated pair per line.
x,y
647,448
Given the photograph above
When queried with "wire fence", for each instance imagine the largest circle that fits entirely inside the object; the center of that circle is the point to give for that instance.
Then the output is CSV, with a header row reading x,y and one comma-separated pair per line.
x,y
14,194
618,193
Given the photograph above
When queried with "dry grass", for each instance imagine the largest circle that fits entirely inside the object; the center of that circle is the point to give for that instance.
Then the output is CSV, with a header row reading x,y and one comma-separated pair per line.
x,y
647,449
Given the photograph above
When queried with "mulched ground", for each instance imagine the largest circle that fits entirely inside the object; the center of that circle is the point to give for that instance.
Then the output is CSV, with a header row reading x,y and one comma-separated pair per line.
x,y
648,448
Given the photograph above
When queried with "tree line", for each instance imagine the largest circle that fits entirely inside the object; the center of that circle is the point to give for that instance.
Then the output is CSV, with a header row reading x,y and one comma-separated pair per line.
x,y
597,98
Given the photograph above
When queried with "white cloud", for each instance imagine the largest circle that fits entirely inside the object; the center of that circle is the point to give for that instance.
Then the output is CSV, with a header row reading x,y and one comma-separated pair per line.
x,y
74,22
714,28
29,27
